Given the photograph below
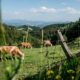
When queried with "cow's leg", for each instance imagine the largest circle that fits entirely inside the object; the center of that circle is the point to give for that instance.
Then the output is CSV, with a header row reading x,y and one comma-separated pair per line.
x,y
4,56
20,54
24,46
31,47
13,55
0,56
51,45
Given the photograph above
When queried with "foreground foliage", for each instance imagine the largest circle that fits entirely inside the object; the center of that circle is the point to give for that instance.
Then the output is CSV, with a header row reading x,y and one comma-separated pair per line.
x,y
68,70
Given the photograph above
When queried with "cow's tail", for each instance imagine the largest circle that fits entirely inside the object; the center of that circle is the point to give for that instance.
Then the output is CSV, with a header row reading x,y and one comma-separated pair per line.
x,y
0,54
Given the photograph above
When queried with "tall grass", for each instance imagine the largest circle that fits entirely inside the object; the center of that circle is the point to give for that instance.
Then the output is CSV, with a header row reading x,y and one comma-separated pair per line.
x,y
2,31
2,35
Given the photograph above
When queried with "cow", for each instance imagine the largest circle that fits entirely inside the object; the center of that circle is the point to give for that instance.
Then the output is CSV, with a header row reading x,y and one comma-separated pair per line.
x,y
11,50
47,43
25,45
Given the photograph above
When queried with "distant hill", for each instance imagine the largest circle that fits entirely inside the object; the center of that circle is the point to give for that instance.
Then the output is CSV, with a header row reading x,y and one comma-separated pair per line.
x,y
16,22
15,34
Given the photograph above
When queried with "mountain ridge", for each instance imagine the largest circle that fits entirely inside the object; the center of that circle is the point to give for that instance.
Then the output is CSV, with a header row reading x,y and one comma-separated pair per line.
x,y
16,22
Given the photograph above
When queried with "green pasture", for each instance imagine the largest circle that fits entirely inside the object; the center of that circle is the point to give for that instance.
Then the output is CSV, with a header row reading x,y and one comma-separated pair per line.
x,y
36,59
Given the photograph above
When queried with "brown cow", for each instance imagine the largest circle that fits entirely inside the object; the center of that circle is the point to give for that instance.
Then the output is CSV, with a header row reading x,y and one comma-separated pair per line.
x,y
12,50
25,45
47,43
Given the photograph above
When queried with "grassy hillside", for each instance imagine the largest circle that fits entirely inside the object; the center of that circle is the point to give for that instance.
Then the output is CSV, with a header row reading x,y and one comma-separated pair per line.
x,y
36,60
14,35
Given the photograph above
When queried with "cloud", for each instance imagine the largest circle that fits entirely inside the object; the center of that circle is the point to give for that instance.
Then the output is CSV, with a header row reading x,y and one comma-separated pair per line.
x,y
70,10
16,13
12,15
43,9
44,13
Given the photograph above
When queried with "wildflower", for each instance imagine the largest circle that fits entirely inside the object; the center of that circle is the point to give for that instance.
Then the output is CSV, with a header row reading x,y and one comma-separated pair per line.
x,y
72,77
58,77
70,71
49,73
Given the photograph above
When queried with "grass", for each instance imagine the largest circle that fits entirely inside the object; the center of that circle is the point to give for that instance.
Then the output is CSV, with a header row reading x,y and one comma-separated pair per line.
x,y
36,60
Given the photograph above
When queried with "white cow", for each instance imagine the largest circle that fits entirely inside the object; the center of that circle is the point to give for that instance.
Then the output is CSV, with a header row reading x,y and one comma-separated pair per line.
x,y
47,43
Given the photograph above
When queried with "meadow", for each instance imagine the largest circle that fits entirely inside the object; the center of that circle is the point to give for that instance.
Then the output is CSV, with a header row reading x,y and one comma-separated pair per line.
x,y
37,59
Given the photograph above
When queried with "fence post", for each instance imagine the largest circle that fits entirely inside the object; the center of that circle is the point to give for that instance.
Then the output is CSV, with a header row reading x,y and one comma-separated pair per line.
x,y
64,45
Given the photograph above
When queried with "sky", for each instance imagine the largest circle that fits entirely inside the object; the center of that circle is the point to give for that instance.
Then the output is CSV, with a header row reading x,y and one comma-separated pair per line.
x,y
41,10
